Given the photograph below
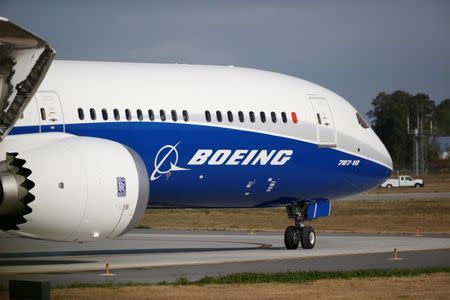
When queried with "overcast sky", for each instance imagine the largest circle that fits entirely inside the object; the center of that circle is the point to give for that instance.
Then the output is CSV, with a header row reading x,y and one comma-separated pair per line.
x,y
355,48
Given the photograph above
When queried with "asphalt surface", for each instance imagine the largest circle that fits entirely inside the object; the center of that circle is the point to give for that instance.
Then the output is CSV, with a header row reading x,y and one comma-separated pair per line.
x,y
164,255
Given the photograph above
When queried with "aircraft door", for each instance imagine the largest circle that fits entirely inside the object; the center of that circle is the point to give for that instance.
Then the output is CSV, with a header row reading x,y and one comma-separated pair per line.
x,y
50,112
326,131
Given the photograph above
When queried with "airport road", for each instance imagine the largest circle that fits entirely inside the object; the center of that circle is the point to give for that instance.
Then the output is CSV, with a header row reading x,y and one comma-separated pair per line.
x,y
165,255
401,196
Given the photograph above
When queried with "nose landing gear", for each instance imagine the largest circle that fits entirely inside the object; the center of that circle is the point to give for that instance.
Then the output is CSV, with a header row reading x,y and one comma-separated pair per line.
x,y
305,235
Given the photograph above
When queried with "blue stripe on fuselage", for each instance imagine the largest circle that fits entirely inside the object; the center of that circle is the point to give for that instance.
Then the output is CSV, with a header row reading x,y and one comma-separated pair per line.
x,y
312,172
24,130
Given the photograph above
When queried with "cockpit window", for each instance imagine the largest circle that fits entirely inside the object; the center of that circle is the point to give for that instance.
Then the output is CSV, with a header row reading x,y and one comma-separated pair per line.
x,y
361,121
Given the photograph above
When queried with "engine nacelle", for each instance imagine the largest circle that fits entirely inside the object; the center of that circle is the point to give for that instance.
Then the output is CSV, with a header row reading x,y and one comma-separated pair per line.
x,y
71,188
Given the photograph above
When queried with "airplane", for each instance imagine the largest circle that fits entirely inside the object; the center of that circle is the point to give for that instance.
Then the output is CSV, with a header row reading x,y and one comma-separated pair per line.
x,y
87,147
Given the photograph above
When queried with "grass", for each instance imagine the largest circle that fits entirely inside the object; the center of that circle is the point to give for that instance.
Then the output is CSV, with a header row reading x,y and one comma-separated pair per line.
x,y
420,283
299,277
424,286
370,216
282,277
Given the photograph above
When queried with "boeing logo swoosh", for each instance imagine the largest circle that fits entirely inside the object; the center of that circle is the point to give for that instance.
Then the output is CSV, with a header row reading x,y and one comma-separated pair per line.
x,y
170,153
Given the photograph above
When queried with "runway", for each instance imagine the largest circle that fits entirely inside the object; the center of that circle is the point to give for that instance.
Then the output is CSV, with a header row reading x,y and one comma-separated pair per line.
x,y
165,255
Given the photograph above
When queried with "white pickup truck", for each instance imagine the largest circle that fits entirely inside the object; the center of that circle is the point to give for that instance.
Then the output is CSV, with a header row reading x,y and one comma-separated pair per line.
x,y
402,181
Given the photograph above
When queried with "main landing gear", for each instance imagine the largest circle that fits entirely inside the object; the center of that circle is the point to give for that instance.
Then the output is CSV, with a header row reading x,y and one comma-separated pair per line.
x,y
305,235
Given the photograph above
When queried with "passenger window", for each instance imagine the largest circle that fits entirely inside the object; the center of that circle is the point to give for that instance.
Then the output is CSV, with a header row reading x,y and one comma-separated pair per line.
x,y
294,118
128,114
151,115
116,114
43,114
93,114
284,117
230,116
174,115
208,116
241,116
185,115
162,115
262,115
105,114
219,116
80,114
140,115
252,116
273,115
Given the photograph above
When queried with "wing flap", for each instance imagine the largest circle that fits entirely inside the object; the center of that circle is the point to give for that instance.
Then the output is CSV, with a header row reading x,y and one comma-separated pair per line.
x,y
24,61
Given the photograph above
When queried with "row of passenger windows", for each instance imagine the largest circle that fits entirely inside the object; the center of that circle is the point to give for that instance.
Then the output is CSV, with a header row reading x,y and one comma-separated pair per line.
x,y
140,115
252,116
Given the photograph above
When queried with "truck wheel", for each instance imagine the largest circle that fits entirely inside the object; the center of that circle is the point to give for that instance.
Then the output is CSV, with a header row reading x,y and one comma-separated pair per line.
x,y
417,185
389,186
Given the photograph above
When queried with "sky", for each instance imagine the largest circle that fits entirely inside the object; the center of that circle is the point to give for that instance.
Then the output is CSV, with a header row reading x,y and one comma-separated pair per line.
x,y
355,48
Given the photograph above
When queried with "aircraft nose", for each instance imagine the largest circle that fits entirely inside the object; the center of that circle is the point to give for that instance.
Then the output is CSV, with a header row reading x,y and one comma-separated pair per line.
x,y
387,158
383,154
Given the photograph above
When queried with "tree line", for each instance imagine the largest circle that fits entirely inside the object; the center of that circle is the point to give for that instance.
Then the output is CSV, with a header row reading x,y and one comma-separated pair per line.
x,y
389,116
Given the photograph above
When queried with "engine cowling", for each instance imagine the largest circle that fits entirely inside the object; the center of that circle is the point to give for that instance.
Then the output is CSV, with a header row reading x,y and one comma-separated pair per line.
x,y
70,188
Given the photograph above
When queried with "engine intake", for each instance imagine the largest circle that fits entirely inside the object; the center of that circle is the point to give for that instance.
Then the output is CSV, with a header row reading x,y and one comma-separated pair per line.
x,y
71,188
14,192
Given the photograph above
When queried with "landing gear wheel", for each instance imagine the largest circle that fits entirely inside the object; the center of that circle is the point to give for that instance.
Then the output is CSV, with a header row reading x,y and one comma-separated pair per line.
x,y
308,237
292,237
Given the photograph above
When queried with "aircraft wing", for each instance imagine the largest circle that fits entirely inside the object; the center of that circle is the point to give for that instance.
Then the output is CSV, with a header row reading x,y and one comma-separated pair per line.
x,y
24,61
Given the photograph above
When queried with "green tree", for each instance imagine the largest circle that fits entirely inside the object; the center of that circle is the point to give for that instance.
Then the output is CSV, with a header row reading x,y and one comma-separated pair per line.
x,y
441,118
389,115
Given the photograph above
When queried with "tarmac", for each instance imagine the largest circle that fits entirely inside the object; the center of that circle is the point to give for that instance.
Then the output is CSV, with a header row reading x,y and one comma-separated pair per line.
x,y
152,256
